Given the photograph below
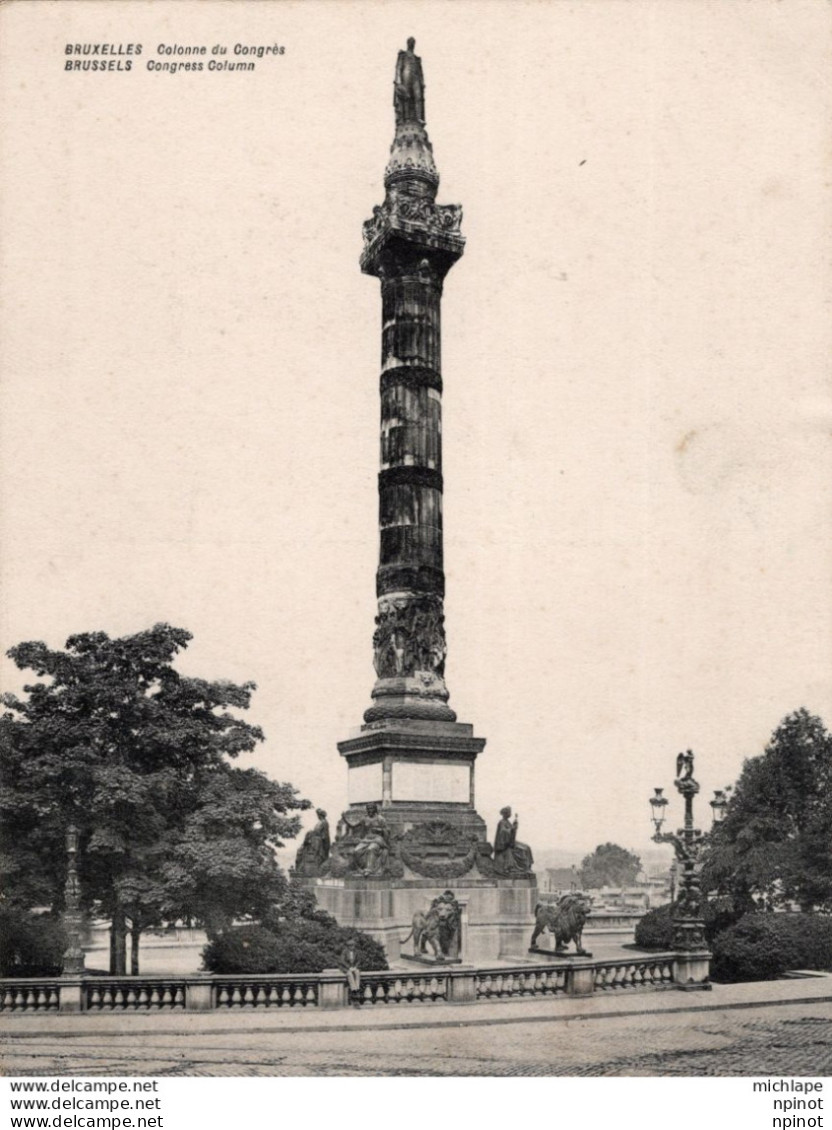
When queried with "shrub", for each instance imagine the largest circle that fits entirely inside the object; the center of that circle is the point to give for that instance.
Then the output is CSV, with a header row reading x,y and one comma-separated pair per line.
x,y
31,945
655,930
298,946
762,946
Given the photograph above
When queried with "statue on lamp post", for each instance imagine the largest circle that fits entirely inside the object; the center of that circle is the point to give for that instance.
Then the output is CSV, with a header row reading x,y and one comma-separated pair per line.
x,y
687,843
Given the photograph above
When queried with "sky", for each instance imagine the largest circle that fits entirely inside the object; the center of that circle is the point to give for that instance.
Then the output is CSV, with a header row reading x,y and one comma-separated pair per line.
x,y
635,358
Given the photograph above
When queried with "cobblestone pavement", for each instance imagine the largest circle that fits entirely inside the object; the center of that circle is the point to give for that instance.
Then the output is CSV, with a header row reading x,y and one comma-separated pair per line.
x,y
786,1039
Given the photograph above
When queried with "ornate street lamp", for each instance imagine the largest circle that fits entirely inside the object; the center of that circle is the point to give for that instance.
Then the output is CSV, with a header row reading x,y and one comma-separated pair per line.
x,y
687,842
719,805
73,962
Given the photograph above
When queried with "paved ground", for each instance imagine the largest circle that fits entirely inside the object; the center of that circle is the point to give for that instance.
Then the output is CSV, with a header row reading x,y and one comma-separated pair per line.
x,y
779,1028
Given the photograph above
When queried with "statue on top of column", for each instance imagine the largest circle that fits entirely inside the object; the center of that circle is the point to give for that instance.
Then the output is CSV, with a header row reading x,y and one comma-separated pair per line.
x,y
409,87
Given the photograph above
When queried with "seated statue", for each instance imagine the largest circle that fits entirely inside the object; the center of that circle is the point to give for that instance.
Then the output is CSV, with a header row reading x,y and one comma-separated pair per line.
x,y
314,851
510,857
373,848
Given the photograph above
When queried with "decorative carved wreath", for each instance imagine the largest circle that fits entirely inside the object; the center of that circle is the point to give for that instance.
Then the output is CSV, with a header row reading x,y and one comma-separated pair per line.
x,y
460,850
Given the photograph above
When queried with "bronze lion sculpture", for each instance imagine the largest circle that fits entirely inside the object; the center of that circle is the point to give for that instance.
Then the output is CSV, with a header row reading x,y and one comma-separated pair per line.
x,y
565,919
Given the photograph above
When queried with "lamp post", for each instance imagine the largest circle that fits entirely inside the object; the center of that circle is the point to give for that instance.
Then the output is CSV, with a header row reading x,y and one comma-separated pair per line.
x,y
687,842
719,804
73,961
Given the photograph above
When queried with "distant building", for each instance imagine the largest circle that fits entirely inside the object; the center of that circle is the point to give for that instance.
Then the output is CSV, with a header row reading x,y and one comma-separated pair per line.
x,y
558,879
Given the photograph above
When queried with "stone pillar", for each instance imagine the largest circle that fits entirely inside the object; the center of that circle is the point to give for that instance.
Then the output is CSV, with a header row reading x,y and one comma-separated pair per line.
x,y
580,980
334,993
70,995
692,970
199,996
462,988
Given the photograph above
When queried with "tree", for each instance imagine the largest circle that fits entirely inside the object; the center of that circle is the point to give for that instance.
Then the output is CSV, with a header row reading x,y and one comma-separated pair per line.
x,y
609,866
137,756
775,841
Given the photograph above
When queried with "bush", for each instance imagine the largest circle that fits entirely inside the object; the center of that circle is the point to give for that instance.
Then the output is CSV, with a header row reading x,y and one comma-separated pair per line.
x,y
297,946
655,930
31,945
762,946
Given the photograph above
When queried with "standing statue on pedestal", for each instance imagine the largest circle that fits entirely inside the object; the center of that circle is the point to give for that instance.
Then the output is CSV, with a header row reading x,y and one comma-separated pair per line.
x,y
314,851
409,88
510,858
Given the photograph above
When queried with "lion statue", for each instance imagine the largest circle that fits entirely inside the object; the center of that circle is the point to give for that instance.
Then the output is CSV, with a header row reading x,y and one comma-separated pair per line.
x,y
565,919
439,928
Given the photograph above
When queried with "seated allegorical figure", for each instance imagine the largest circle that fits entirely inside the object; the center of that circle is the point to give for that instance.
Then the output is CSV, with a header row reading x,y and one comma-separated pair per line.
x,y
510,857
373,848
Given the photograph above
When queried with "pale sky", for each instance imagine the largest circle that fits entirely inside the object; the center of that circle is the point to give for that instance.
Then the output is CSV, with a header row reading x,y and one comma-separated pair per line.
x,y
636,347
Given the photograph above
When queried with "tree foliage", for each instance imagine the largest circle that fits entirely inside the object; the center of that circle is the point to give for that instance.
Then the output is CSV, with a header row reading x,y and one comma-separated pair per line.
x,y
776,838
112,738
609,866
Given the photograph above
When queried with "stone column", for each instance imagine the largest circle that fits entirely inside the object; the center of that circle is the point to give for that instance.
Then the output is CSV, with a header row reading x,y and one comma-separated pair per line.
x,y
410,245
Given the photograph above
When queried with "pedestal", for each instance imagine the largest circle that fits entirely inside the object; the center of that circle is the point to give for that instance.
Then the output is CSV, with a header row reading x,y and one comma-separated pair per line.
x,y
500,912
692,970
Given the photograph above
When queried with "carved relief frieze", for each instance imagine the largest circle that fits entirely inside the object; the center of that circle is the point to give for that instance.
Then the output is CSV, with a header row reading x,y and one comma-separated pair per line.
x,y
443,219
409,637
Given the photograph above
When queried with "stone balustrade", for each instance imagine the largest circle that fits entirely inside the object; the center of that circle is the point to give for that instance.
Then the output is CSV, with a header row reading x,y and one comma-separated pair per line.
x,y
204,992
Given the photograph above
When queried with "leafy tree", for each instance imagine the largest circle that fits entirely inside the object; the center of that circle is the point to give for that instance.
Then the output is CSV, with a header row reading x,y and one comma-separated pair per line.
x,y
775,841
609,866
112,738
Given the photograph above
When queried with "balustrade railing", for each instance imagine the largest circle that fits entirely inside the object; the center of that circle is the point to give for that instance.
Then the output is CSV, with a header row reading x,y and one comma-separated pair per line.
x,y
388,988
104,994
29,995
633,974
265,992
574,977
498,983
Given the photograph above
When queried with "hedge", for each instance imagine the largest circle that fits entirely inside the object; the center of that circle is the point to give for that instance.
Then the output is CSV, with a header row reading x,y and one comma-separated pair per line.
x,y
756,947
300,946
762,946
